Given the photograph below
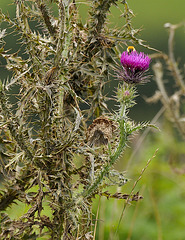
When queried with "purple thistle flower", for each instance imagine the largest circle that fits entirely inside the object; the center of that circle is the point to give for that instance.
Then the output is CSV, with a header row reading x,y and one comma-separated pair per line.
x,y
135,65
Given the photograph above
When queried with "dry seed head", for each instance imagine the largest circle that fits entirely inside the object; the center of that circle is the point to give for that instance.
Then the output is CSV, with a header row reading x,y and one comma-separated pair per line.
x,y
100,131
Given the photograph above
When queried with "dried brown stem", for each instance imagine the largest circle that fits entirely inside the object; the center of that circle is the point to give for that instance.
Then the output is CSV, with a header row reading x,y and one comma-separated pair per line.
x,y
172,63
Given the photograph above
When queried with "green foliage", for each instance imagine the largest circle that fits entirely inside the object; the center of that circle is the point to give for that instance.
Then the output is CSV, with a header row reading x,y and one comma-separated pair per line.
x,y
45,155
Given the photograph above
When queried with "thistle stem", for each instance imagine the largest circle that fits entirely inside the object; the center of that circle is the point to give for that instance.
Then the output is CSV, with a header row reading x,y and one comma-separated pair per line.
x,y
122,142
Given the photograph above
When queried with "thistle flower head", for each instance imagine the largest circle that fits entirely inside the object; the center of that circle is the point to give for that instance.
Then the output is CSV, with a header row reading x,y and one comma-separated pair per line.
x,y
135,66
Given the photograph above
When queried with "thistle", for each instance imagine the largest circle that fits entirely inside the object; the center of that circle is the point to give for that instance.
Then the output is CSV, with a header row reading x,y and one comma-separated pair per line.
x,y
135,65
46,157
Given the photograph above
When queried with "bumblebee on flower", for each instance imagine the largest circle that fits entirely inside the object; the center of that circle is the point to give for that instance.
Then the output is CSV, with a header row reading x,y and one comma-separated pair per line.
x,y
135,65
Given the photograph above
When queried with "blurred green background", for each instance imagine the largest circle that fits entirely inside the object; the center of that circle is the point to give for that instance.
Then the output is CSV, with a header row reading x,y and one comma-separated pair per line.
x,y
161,214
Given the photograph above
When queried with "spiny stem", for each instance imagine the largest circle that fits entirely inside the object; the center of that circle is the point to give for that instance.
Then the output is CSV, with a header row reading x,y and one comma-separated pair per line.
x,y
13,125
113,157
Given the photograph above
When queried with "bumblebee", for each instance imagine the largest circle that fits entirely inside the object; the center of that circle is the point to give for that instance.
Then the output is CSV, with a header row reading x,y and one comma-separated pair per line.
x,y
130,49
